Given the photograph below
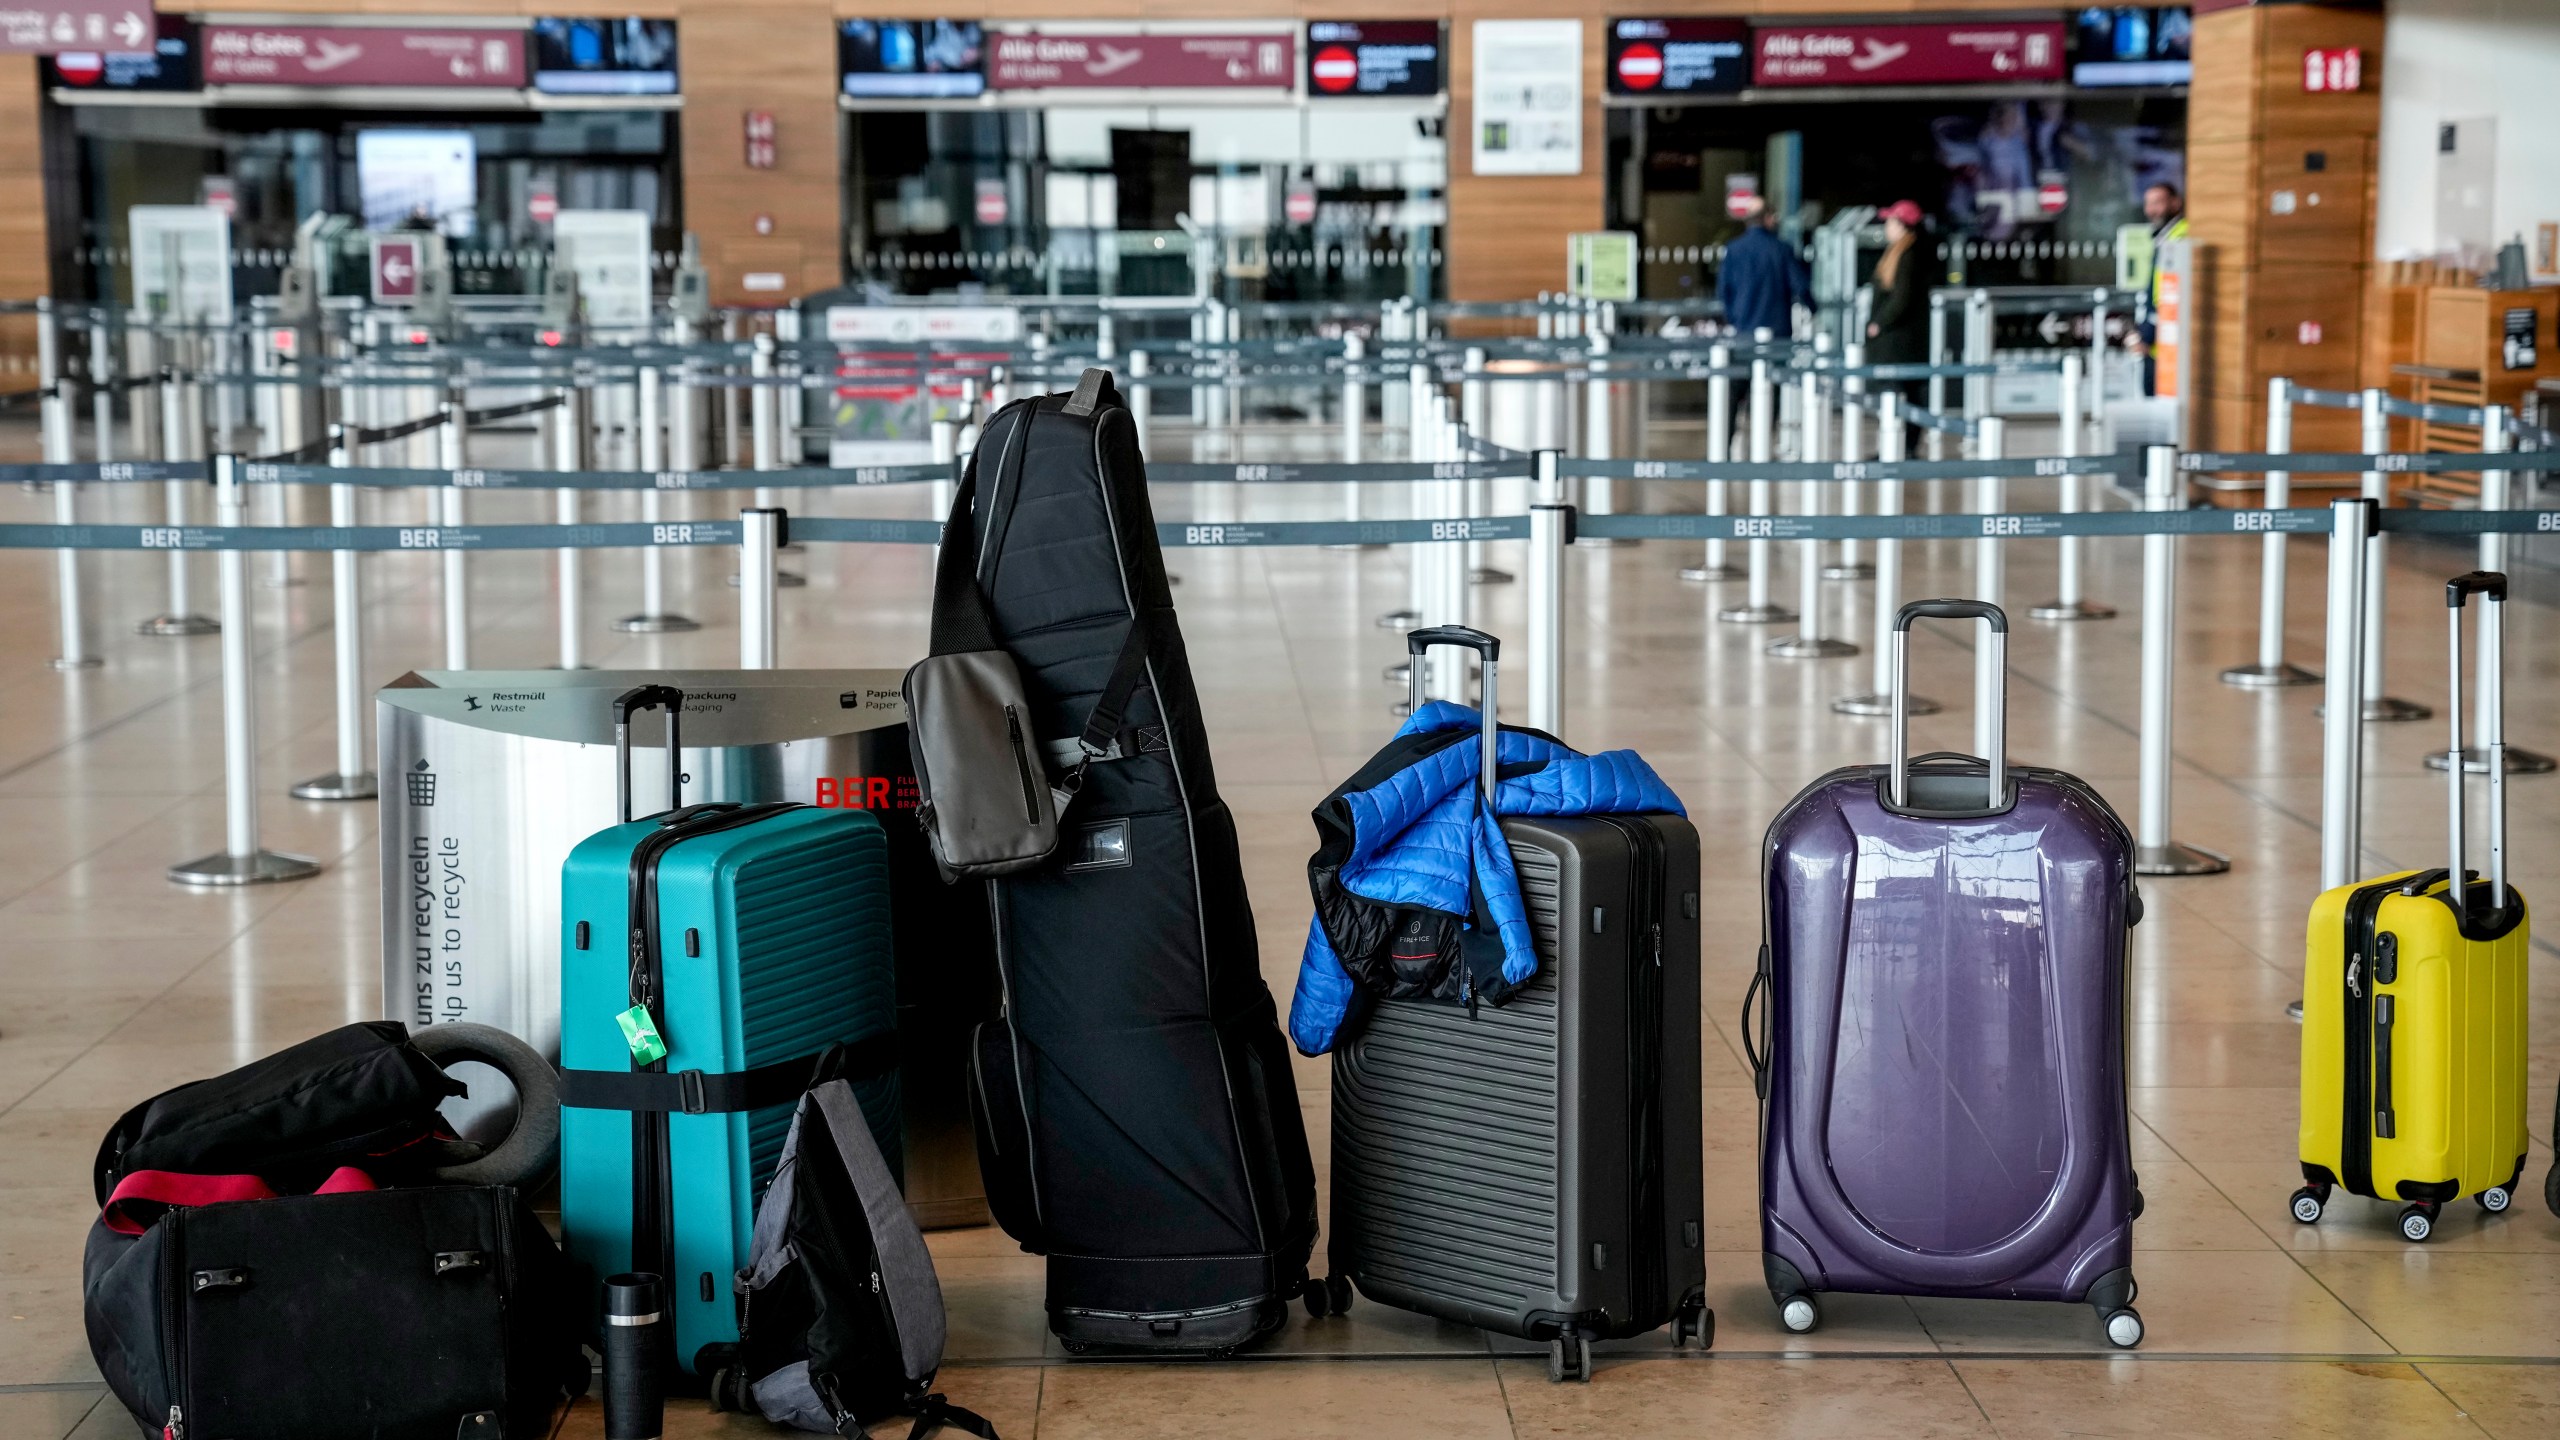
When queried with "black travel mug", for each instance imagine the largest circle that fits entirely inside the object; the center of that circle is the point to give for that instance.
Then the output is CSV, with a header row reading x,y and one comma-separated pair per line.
x,y
635,1337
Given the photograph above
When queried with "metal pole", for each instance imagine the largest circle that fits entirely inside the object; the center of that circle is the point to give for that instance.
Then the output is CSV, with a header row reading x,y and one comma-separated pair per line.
x,y
457,574
1719,451
1809,643
1853,446
240,861
2377,488
73,629
1937,360
1892,443
729,397
654,618
1355,410
1758,609
568,453
1550,524
1977,351
2271,669
353,779
2097,372
1599,429
177,620
2351,524
760,415
2496,438
1471,391
1418,499
760,532
102,379
2069,604
1141,398
2154,853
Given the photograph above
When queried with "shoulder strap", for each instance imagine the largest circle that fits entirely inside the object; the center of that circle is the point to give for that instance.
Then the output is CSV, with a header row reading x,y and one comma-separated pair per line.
x,y
1092,389
695,1092
961,620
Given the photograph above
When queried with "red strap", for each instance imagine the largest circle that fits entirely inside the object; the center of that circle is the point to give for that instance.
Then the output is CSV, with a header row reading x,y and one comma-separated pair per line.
x,y
169,1187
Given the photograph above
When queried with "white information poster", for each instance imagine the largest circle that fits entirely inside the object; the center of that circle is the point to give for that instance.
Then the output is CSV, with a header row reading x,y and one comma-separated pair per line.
x,y
608,250
1528,97
181,261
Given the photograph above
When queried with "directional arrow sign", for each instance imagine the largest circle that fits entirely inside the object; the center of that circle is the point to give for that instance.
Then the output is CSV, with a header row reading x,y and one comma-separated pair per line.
x,y
395,269
49,27
2051,327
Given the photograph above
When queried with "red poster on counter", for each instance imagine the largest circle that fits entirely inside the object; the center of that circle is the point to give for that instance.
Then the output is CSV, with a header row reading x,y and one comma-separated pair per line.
x,y
1957,53
1039,59
315,55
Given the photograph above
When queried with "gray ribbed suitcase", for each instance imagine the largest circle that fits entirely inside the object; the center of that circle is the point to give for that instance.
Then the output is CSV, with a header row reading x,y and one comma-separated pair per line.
x,y
1535,1168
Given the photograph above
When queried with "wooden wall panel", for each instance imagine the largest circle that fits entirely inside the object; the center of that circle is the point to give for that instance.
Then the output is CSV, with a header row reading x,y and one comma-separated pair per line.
x,y
23,261
780,59
1506,235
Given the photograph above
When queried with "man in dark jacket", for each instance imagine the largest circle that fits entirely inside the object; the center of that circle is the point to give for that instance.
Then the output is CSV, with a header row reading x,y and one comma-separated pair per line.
x,y
1761,281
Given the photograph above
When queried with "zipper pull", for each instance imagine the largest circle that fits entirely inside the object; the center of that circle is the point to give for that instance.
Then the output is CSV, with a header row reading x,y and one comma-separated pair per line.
x,y
2355,975
176,1429
1657,945
875,1282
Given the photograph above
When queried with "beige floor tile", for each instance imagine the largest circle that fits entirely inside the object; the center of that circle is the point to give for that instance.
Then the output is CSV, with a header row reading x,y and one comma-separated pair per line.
x,y
51,1414
1796,1399
1747,1319
2427,1302
2264,1192
2138,1399
2192,1303
1458,1399
2510,1402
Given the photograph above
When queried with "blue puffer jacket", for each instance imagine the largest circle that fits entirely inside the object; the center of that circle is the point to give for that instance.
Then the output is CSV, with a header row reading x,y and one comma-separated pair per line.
x,y
1407,835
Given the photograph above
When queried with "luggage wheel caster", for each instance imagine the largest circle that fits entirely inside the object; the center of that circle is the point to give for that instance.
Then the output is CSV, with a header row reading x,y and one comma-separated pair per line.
x,y
2495,1199
2308,1202
1075,1347
1697,1323
2417,1223
2124,1329
2551,1188
1799,1313
729,1390
1328,1295
1569,1358
2138,1206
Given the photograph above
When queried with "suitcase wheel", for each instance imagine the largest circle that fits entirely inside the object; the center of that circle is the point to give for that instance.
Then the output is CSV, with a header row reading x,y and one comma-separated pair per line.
x,y
2308,1202
2124,1329
1694,1322
1328,1295
2495,1199
1568,1358
2551,1188
2417,1222
1799,1313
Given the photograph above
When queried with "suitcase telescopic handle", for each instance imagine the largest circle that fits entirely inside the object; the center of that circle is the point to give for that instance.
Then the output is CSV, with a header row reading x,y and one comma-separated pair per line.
x,y
1486,646
631,702
1992,658
2492,588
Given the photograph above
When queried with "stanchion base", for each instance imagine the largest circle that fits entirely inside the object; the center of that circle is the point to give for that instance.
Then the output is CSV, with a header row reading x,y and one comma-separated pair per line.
x,y
1860,571
1811,647
1873,703
2177,859
225,869
85,662
782,580
2389,709
1487,575
1399,619
2519,761
2072,610
178,625
656,624
337,787
1400,673
1701,573
1756,615
2268,677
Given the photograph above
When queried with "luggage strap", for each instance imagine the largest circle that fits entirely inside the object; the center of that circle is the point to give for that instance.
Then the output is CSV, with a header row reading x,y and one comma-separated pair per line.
x,y
1091,386
170,1189
696,1092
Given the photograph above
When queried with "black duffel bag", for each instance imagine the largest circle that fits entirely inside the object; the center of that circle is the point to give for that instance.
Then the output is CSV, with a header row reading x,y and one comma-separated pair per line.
x,y
429,1313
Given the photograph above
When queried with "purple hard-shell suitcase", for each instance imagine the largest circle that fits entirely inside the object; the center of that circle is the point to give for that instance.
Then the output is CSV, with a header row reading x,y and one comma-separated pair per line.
x,y
1942,1057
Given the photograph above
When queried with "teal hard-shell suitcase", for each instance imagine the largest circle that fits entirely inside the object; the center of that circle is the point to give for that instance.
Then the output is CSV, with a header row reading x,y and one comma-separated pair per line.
x,y
756,937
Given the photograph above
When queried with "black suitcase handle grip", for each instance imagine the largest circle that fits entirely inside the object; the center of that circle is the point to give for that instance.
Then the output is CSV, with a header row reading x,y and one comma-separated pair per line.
x,y
633,701
1952,610
2461,588
1464,637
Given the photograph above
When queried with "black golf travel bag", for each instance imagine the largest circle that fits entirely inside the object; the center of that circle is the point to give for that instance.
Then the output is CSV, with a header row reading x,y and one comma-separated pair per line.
x,y
1137,1120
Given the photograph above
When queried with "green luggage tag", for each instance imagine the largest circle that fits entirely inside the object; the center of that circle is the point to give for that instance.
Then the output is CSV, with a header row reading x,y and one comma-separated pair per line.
x,y
642,1035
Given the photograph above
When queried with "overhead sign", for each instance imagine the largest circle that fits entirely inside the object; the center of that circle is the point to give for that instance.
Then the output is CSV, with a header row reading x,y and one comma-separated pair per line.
x,y
2132,45
1118,58
167,61
2324,71
397,259
1679,56
1356,58
1955,53
49,27
334,55
912,59
993,206
1528,97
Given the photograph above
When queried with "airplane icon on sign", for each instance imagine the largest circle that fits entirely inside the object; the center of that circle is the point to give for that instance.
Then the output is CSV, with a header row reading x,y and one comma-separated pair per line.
x,y
332,54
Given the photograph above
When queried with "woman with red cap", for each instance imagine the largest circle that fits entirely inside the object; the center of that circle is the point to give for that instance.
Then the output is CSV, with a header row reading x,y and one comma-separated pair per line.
x,y
1898,329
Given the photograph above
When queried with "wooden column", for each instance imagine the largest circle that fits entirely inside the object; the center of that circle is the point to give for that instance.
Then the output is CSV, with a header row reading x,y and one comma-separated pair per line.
x,y
781,60
23,263
2280,204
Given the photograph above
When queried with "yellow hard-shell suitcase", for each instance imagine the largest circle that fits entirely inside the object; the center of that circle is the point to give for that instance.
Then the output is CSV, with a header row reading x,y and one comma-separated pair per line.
x,y
2414,1006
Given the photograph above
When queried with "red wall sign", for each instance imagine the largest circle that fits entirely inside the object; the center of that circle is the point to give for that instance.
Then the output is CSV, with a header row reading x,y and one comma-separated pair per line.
x,y
49,27
2326,70
395,270
362,55
760,147
1954,53
1037,59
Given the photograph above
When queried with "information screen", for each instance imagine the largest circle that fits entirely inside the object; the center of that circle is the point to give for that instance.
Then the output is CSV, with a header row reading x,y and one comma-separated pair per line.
x,y
912,59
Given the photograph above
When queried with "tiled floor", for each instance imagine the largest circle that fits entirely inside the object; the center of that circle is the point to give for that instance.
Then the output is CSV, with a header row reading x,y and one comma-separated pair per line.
x,y
119,984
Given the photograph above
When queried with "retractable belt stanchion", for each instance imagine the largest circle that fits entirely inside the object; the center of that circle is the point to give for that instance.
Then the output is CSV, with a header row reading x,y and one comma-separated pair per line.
x,y
763,415
2068,603
1990,497
2377,488
2272,670
178,619
1453,569
1713,565
654,617
1599,435
2097,371
568,454
944,437
1892,444
102,394
1141,398
72,621
1853,446
1758,608
1977,351
353,779
2497,437
1418,449
1937,376
1809,643
761,533
451,443
1550,530
240,861
2154,852
1472,399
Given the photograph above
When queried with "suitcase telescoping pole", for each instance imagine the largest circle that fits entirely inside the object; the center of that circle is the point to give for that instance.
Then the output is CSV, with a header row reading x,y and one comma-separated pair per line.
x,y
2492,588
1990,728
1489,650
627,704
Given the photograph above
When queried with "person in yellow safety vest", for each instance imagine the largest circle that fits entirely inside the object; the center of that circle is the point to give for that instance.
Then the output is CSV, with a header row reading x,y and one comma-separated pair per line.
x,y
2166,209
